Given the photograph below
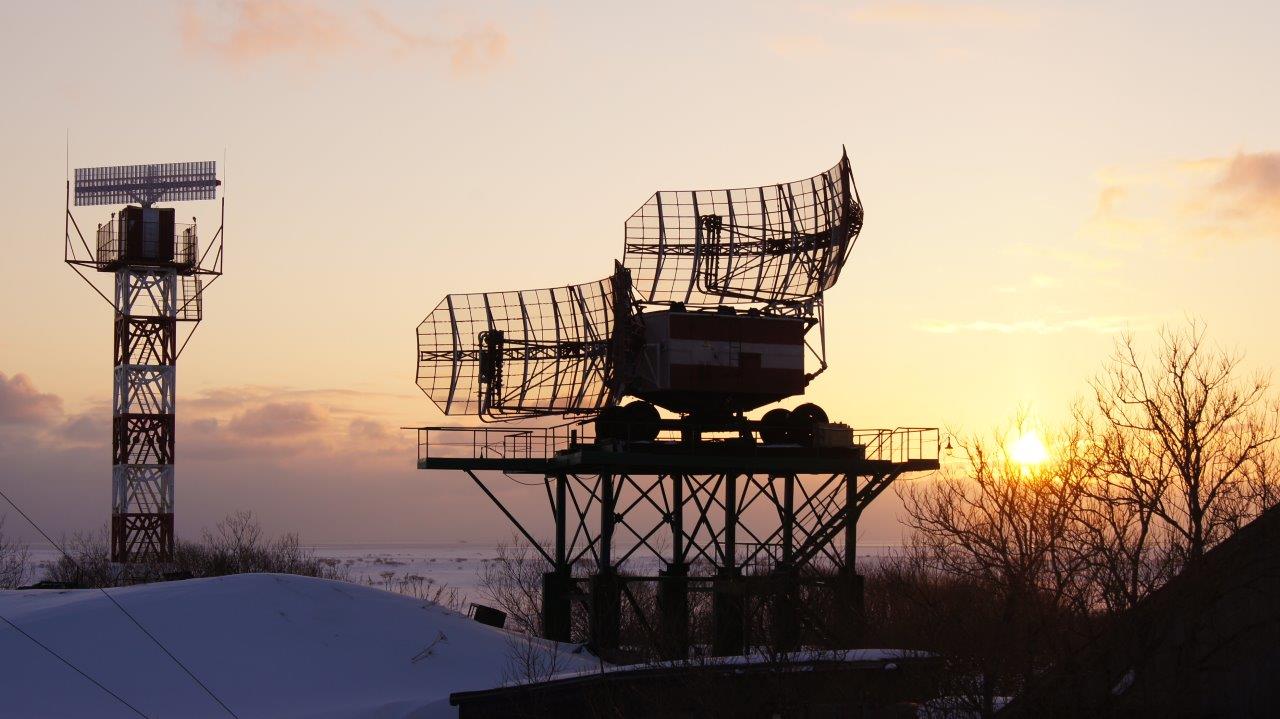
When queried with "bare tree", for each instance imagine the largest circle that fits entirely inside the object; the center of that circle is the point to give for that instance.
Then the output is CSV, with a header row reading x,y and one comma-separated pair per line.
x,y
1129,550
1006,534
1006,524
85,561
14,556
512,581
1262,481
532,659
1179,432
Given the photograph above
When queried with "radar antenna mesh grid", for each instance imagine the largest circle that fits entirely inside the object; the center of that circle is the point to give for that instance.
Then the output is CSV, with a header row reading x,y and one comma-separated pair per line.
x,y
555,350
775,244
146,184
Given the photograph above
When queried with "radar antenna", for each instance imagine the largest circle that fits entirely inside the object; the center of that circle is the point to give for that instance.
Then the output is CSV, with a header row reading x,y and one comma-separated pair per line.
x,y
772,245
665,327
523,353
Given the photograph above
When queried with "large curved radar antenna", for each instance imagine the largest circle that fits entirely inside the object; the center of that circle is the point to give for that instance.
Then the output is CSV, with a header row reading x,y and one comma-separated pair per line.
x,y
773,245
527,353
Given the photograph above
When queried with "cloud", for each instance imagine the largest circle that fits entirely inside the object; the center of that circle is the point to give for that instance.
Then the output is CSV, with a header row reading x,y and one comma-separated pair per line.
x,y
278,419
259,29
937,14
362,429
1077,257
799,46
1034,282
22,404
256,31
328,462
216,424
1102,325
474,50
1044,282
1242,201
222,399
1230,198
86,427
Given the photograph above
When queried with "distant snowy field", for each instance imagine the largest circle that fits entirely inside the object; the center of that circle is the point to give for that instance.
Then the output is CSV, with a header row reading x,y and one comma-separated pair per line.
x,y
455,564
268,645
458,565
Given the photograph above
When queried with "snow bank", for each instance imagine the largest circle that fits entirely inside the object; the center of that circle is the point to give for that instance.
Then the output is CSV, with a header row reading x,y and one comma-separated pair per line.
x,y
886,656
268,645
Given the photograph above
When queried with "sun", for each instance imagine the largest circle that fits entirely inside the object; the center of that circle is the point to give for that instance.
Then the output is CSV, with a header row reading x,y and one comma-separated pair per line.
x,y
1028,450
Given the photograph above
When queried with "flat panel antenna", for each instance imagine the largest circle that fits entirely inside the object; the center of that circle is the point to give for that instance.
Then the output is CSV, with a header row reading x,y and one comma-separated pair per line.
x,y
146,184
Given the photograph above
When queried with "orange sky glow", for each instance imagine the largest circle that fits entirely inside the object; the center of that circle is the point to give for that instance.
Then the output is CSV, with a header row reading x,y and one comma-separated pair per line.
x,y
1038,177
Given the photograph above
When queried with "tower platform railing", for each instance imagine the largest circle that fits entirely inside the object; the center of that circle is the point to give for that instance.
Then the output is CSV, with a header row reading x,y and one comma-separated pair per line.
x,y
109,250
899,445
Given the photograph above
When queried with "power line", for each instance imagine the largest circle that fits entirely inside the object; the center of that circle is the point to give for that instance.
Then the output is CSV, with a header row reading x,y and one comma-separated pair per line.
x,y
74,668
119,606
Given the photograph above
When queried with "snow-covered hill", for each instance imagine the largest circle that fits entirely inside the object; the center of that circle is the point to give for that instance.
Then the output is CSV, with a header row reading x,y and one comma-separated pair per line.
x,y
268,645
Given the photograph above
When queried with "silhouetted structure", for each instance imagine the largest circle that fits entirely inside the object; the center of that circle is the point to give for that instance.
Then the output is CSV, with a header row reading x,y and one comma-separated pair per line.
x,y
713,312
1205,645
821,685
160,276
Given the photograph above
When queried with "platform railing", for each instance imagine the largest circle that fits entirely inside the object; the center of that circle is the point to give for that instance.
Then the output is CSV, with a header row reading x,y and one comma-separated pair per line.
x,y
898,446
903,444
186,245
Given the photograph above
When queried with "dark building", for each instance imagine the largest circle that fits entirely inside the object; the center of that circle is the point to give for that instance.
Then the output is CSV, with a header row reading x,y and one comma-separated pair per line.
x,y
1205,645
868,684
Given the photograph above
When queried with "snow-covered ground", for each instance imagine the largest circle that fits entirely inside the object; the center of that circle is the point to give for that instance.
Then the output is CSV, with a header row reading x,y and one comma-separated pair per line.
x,y
268,645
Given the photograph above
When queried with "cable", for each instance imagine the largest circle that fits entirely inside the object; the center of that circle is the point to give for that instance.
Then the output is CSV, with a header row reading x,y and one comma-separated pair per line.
x,y
77,670
119,606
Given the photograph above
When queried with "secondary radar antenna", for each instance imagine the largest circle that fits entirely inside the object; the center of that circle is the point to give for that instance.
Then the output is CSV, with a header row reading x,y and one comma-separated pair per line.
x,y
773,246
526,353
160,275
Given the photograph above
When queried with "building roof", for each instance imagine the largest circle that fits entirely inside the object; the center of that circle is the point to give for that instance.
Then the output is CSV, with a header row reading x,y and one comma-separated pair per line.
x,y
1205,644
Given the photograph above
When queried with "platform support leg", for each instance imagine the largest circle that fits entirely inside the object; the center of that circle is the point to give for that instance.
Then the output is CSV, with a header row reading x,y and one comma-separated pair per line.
x,y
728,614
783,588
557,585
556,607
850,586
606,611
673,585
728,600
606,589
673,611
849,591
785,596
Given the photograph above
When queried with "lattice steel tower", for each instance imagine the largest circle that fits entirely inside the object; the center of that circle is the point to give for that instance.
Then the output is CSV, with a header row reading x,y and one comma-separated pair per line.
x,y
160,275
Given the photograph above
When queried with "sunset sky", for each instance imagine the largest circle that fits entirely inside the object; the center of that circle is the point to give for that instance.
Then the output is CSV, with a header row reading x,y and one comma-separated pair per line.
x,y
1037,177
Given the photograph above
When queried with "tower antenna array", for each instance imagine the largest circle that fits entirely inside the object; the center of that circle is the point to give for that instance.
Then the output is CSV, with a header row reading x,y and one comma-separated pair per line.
x,y
160,275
